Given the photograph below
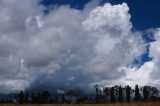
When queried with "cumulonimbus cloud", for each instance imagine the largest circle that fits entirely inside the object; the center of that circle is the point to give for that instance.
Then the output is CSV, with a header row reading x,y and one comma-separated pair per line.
x,y
85,46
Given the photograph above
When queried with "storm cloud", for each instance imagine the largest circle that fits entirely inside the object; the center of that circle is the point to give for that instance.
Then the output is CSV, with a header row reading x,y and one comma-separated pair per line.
x,y
70,48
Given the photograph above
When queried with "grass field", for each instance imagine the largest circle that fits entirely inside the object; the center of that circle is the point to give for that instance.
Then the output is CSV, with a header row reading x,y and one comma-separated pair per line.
x,y
116,104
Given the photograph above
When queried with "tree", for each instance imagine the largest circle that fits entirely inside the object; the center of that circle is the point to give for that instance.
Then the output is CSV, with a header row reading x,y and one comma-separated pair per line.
x,y
146,92
63,98
128,93
137,94
112,96
106,91
97,93
74,93
155,91
21,97
120,92
32,98
26,97
150,93
154,94
45,96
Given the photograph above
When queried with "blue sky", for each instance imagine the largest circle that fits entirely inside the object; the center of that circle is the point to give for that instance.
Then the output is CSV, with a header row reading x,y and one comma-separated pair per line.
x,y
144,13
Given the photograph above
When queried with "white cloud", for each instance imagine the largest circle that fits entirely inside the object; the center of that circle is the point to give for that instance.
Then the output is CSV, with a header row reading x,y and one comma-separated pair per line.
x,y
71,78
59,91
115,44
86,46
154,52
147,74
139,76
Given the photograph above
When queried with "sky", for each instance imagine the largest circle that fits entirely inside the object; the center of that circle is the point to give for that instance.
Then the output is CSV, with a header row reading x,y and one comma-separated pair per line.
x,y
66,44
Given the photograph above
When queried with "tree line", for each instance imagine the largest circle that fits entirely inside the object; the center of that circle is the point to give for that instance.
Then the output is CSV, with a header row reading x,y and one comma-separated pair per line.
x,y
101,95
126,94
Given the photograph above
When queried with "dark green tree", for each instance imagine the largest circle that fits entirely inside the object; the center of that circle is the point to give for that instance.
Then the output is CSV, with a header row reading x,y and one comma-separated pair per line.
x,y
97,93
150,93
146,93
26,97
106,91
137,94
21,97
128,93
112,95
32,98
63,98
45,96
38,98
74,93
154,94
120,94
